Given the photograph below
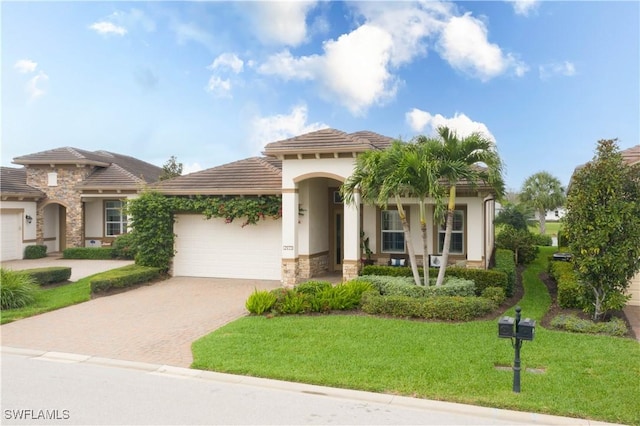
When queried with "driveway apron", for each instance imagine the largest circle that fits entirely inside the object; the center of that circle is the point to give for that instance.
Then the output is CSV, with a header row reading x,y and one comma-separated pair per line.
x,y
154,324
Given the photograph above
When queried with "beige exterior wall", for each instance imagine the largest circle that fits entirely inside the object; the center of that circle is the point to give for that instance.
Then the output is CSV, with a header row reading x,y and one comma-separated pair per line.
x,y
634,290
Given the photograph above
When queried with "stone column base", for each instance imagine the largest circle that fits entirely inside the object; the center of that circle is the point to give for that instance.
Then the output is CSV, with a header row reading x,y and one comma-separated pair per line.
x,y
289,272
350,269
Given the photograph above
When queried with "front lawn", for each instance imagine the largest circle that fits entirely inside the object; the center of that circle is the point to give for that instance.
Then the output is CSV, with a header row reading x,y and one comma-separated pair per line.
x,y
583,376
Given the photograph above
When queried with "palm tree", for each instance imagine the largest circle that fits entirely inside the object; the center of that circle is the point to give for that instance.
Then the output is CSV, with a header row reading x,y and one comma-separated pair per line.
x,y
377,176
472,159
543,192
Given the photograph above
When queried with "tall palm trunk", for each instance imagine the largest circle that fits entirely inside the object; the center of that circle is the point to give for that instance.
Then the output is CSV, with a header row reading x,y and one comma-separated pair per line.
x,y
543,220
423,230
407,240
447,235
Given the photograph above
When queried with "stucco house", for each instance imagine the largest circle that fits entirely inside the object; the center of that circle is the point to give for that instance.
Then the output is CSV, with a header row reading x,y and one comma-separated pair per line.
x,y
317,234
68,197
631,156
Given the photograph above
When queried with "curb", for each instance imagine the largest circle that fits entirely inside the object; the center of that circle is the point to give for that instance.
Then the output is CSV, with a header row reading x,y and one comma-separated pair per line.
x,y
320,391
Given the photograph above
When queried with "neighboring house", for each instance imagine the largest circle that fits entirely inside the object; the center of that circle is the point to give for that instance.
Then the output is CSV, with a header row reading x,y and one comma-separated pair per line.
x,y
68,197
631,156
317,233
552,215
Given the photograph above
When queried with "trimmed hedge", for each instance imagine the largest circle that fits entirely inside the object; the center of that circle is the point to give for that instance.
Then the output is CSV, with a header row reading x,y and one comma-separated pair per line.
x,y
506,262
404,286
481,277
35,252
542,240
126,276
53,274
448,308
570,292
95,253
613,327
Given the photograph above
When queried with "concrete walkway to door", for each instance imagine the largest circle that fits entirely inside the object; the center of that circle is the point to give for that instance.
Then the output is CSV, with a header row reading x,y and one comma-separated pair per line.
x,y
152,324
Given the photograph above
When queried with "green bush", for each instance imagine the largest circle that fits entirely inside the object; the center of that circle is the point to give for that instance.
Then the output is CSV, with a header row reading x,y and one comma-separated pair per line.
x,y
292,302
18,289
124,246
126,276
570,292
260,301
542,240
505,262
613,327
313,287
35,252
520,241
53,274
496,294
449,308
95,253
562,239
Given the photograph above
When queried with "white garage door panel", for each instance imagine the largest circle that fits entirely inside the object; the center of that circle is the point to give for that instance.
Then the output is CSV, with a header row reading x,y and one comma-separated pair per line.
x,y
212,248
11,236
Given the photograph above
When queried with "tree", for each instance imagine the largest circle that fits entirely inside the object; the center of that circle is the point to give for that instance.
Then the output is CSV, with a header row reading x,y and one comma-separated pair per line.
x,y
171,169
602,226
520,242
377,178
472,159
543,192
515,215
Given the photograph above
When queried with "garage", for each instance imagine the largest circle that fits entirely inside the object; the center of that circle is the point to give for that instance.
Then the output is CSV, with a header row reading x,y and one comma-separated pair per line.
x,y
213,248
11,236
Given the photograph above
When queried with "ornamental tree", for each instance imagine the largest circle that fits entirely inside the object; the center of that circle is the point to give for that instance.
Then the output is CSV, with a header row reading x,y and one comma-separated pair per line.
x,y
542,192
602,227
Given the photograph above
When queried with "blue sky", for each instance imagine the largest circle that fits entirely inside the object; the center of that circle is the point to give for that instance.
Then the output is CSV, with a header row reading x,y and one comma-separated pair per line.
x,y
213,82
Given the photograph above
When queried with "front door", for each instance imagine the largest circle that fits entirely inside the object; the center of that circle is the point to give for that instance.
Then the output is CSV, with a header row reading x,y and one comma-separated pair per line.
x,y
338,240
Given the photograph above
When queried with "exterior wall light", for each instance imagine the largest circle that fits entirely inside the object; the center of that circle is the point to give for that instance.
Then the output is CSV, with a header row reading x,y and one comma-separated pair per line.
x,y
28,218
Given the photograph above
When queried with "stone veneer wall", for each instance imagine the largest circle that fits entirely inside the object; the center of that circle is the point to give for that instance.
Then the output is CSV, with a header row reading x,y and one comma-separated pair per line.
x,y
289,272
64,193
314,265
350,269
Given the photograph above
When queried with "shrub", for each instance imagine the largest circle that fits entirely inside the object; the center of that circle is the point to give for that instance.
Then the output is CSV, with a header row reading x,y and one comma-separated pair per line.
x,y
570,292
54,274
613,327
124,246
95,253
520,241
562,239
35,252
542,240
496,294
260,301
126,276
389,271
312,287
18,289
450,308
292,302
505,262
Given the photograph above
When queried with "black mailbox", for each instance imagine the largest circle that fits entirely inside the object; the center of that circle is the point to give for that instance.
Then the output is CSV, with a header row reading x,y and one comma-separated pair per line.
x,y
505,327
526,329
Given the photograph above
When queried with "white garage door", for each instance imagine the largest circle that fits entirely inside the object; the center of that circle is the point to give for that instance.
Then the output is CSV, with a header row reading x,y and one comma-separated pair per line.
x,y
212,248
11,236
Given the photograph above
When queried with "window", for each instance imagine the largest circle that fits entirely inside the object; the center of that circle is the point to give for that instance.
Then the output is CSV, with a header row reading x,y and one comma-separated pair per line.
x,y
52,179
392,233
457,234
115,220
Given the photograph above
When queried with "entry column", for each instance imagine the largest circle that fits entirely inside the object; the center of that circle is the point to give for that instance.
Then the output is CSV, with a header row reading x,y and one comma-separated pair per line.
x,y
351,239
289,236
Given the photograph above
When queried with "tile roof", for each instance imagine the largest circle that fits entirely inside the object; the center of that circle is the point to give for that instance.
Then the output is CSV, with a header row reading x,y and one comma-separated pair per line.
x,y
13,183
251,176
328,141
631,155
113,171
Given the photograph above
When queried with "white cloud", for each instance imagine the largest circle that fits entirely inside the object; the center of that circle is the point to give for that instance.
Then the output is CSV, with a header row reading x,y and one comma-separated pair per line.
x,y
104,27
566,69
524,7
284,65
420,120
191,168
219,87
34,85
25,66
464,44
281,126
281,22
227,61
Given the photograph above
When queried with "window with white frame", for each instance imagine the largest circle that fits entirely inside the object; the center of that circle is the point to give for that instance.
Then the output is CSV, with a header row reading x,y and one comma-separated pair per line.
x,y
392,234
115,219
457,234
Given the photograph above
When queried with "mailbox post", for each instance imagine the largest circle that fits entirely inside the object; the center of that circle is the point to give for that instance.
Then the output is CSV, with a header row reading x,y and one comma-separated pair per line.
x,y
510,328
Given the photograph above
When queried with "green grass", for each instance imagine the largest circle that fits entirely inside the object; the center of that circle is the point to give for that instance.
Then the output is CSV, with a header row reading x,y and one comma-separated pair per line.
x,y
585,376
551,228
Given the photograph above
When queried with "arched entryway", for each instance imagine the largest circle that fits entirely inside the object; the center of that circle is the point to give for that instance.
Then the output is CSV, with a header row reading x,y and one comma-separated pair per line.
x,y
53,228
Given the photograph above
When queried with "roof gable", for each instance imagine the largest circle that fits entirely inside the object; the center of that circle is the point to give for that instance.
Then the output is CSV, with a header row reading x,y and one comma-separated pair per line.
x,y
327,141
13,183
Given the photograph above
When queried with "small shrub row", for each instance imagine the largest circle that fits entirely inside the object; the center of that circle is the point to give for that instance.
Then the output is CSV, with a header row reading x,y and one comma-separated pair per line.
x,y
18,289
404,286
613,327
315,296
51,275
95,253
126,276
496,294
35,252
448,308
570,292
481,277
506,262
542,240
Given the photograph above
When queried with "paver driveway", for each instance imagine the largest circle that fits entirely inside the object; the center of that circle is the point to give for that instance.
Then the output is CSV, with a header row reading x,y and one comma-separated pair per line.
x,y
155,323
